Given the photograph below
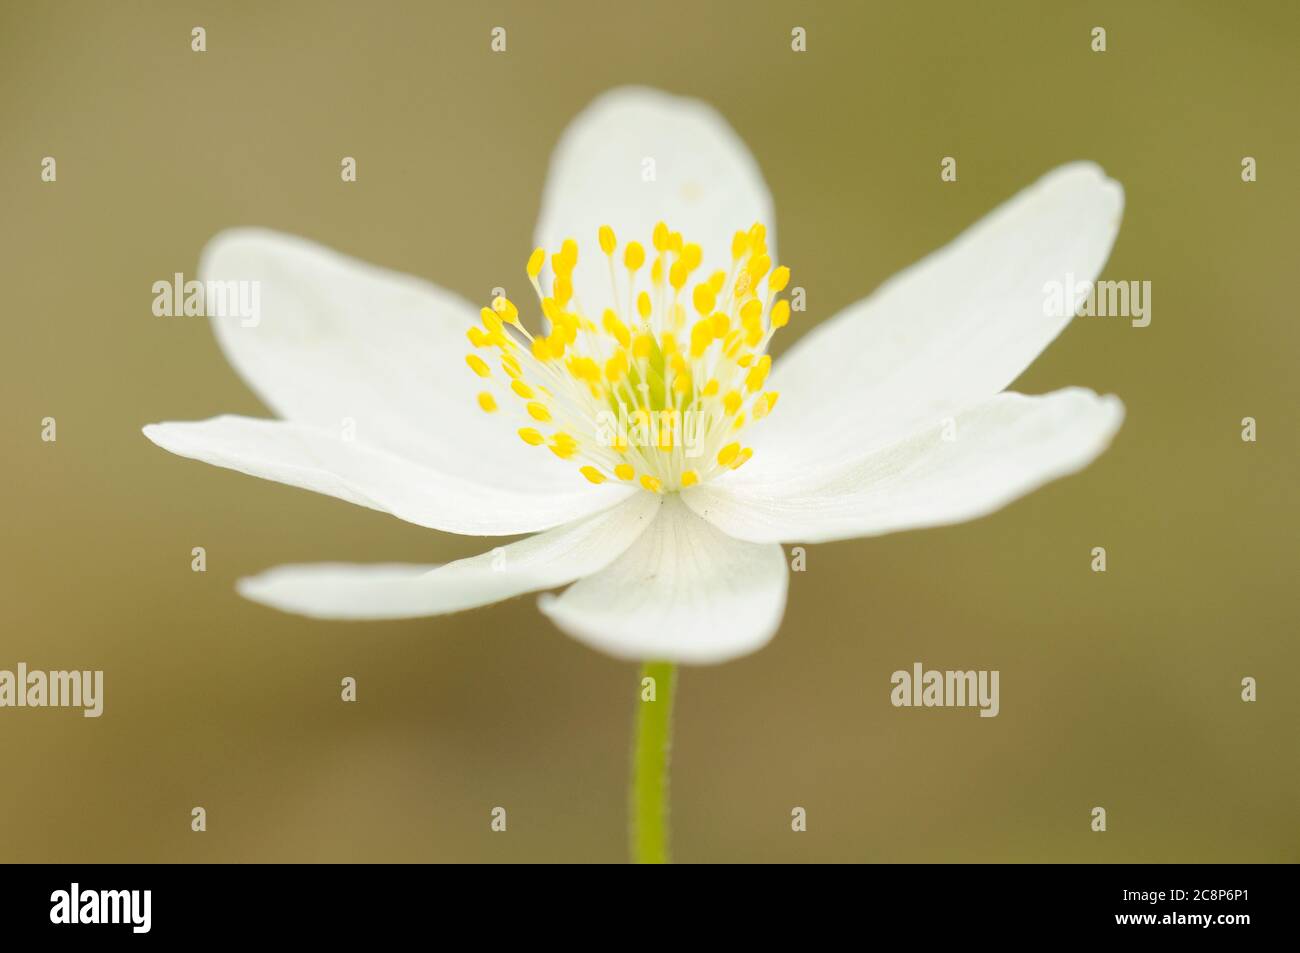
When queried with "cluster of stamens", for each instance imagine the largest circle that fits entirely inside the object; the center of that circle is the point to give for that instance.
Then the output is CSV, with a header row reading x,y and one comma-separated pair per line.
x,y
659,389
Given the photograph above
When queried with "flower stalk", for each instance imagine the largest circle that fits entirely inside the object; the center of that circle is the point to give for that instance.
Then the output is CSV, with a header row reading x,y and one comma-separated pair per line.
x,y
649,792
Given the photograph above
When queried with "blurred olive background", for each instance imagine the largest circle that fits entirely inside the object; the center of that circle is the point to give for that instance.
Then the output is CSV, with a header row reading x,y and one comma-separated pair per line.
x,y
1120,690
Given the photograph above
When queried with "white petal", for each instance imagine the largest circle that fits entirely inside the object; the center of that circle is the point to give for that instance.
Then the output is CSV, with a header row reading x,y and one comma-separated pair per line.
x,y
705,183
1004,448
553,558
683,592
343,343
953,329
317,460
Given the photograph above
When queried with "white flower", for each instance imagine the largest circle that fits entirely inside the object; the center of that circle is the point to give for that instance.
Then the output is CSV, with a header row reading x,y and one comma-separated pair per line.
x,y
674,550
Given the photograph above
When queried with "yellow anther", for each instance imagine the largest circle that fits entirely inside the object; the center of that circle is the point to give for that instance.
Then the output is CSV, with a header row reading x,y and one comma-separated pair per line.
x,y
660,237
720,324
701,337
657,271
743,456
758,266
763,406
781,314
779,278
522,389
563,446
728,453
607,240
487,402
677,275
704,298
758,373
510,364
690,478
732,401
541,349
491,320
566,327
535,262
738,422
739,245
668,343
478,337
616,367
642,346
682,381
757,233
652,484
744,283
562,289
569,252
584,369
745,360
625,471
643,306
692,255
531,436
633,256
537,411
717,280
592,474
675,243
617,328
710,388
506,309
477,365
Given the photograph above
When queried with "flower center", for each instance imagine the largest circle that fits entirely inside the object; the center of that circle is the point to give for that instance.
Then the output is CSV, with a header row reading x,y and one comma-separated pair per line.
x,y
660,389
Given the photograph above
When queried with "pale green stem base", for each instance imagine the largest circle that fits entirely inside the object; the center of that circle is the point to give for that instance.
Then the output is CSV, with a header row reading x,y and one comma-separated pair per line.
x,y
649,794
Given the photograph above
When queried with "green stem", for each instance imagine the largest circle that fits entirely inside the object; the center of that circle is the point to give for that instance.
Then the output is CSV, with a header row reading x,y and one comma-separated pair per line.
x,y
650,765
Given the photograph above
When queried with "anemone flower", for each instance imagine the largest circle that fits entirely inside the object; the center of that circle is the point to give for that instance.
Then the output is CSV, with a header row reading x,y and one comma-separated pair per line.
x,y
639,429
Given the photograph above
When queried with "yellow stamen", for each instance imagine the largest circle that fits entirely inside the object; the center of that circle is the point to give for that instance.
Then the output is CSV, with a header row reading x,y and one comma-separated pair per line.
x,y
653,370
633,256
535,262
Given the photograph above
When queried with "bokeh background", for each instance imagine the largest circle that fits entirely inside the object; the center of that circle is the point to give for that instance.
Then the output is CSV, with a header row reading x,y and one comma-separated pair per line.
x,y
1120,690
